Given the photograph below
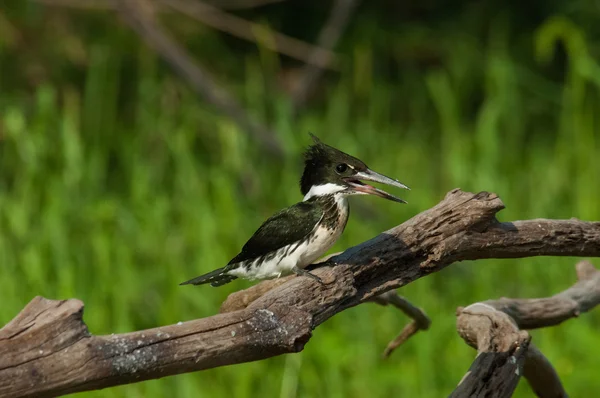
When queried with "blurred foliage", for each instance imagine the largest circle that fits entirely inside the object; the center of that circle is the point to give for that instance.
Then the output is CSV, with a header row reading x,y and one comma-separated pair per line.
x,y
117,182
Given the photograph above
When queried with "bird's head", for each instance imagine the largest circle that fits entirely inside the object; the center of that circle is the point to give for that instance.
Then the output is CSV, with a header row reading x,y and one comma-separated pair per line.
x,y
329,171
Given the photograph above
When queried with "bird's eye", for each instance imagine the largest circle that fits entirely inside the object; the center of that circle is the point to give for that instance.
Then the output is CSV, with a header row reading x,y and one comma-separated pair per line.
x,y
342,167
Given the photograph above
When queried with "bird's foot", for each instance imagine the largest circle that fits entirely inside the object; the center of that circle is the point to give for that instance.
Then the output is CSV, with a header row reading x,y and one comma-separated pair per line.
x,y
303,272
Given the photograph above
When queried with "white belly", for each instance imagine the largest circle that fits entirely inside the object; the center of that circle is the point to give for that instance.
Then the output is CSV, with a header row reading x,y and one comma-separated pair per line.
x,y
297,254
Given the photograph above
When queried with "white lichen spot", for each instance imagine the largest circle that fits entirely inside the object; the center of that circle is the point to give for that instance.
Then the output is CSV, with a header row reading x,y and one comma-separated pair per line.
x,y
265,311
179,323
143,336
517,371
41,352
233,333
154,358
282,330
139,342
513,360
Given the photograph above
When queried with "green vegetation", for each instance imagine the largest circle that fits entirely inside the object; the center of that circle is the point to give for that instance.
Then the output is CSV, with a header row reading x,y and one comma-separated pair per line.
x,y
117,183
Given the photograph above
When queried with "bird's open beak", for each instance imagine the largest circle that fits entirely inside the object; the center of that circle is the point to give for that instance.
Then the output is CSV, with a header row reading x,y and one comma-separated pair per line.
x,y
370,175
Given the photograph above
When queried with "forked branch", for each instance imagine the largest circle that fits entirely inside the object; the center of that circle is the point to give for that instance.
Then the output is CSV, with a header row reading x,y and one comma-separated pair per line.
x,y
505,352
419,320
47,350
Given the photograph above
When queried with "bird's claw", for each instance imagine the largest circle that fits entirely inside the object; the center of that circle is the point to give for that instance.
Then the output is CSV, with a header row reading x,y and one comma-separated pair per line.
x,y
314,277
303,272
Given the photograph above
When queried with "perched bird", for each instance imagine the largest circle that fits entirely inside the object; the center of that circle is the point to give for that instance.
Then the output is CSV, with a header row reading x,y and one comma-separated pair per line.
x,y
298,235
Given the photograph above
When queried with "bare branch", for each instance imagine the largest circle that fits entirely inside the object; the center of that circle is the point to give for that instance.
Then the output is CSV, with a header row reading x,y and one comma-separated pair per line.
x,y
79,4
214,17
341,11
501,349
493,328
139,15
541,375
406,333
243,298
420,320
242,4
542,312
392,298
106,4
47,351
253,32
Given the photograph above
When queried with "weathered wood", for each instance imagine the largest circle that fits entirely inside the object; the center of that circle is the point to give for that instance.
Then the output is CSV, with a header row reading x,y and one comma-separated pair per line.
x,y
47,351
501,349
504,353
541,375
52,353
461,227
542,312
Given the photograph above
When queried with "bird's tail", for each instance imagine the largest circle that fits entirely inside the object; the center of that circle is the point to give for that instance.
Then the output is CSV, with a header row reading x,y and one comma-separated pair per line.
x,y
217,277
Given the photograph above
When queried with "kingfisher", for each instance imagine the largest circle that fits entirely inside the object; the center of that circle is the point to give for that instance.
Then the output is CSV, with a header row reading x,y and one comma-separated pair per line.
x,y
295,237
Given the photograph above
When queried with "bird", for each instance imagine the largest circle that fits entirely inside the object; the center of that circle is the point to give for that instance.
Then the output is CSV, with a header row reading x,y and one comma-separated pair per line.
x,y
295,237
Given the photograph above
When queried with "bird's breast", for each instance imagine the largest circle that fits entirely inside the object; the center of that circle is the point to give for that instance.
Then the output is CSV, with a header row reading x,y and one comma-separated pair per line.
x,y
328,230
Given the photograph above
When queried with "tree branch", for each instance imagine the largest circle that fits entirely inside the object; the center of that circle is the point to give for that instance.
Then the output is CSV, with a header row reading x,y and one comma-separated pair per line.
x,y
241,4
504,351
140,16
316,56
541,375
550,311
47,351
420,320
106,4
501,351
213,15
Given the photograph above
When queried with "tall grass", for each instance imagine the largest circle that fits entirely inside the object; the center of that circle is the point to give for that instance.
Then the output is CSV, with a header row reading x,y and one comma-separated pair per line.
x,y
115,202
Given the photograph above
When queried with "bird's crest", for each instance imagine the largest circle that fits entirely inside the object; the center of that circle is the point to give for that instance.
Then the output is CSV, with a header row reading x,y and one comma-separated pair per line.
x,y
319,161
320,153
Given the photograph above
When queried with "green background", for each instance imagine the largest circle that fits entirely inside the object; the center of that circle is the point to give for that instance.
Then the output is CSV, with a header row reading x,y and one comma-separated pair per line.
x,y
117,182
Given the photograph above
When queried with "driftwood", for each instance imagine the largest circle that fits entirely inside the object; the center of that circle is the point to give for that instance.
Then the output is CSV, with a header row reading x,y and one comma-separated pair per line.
x,y
504,351
47,350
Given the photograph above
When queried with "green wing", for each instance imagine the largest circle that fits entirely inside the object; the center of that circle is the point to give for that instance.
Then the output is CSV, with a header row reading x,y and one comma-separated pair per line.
x,y
283,228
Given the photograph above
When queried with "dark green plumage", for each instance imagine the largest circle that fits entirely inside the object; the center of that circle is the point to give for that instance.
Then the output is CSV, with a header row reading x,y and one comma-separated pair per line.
x,y
288,226
292,225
